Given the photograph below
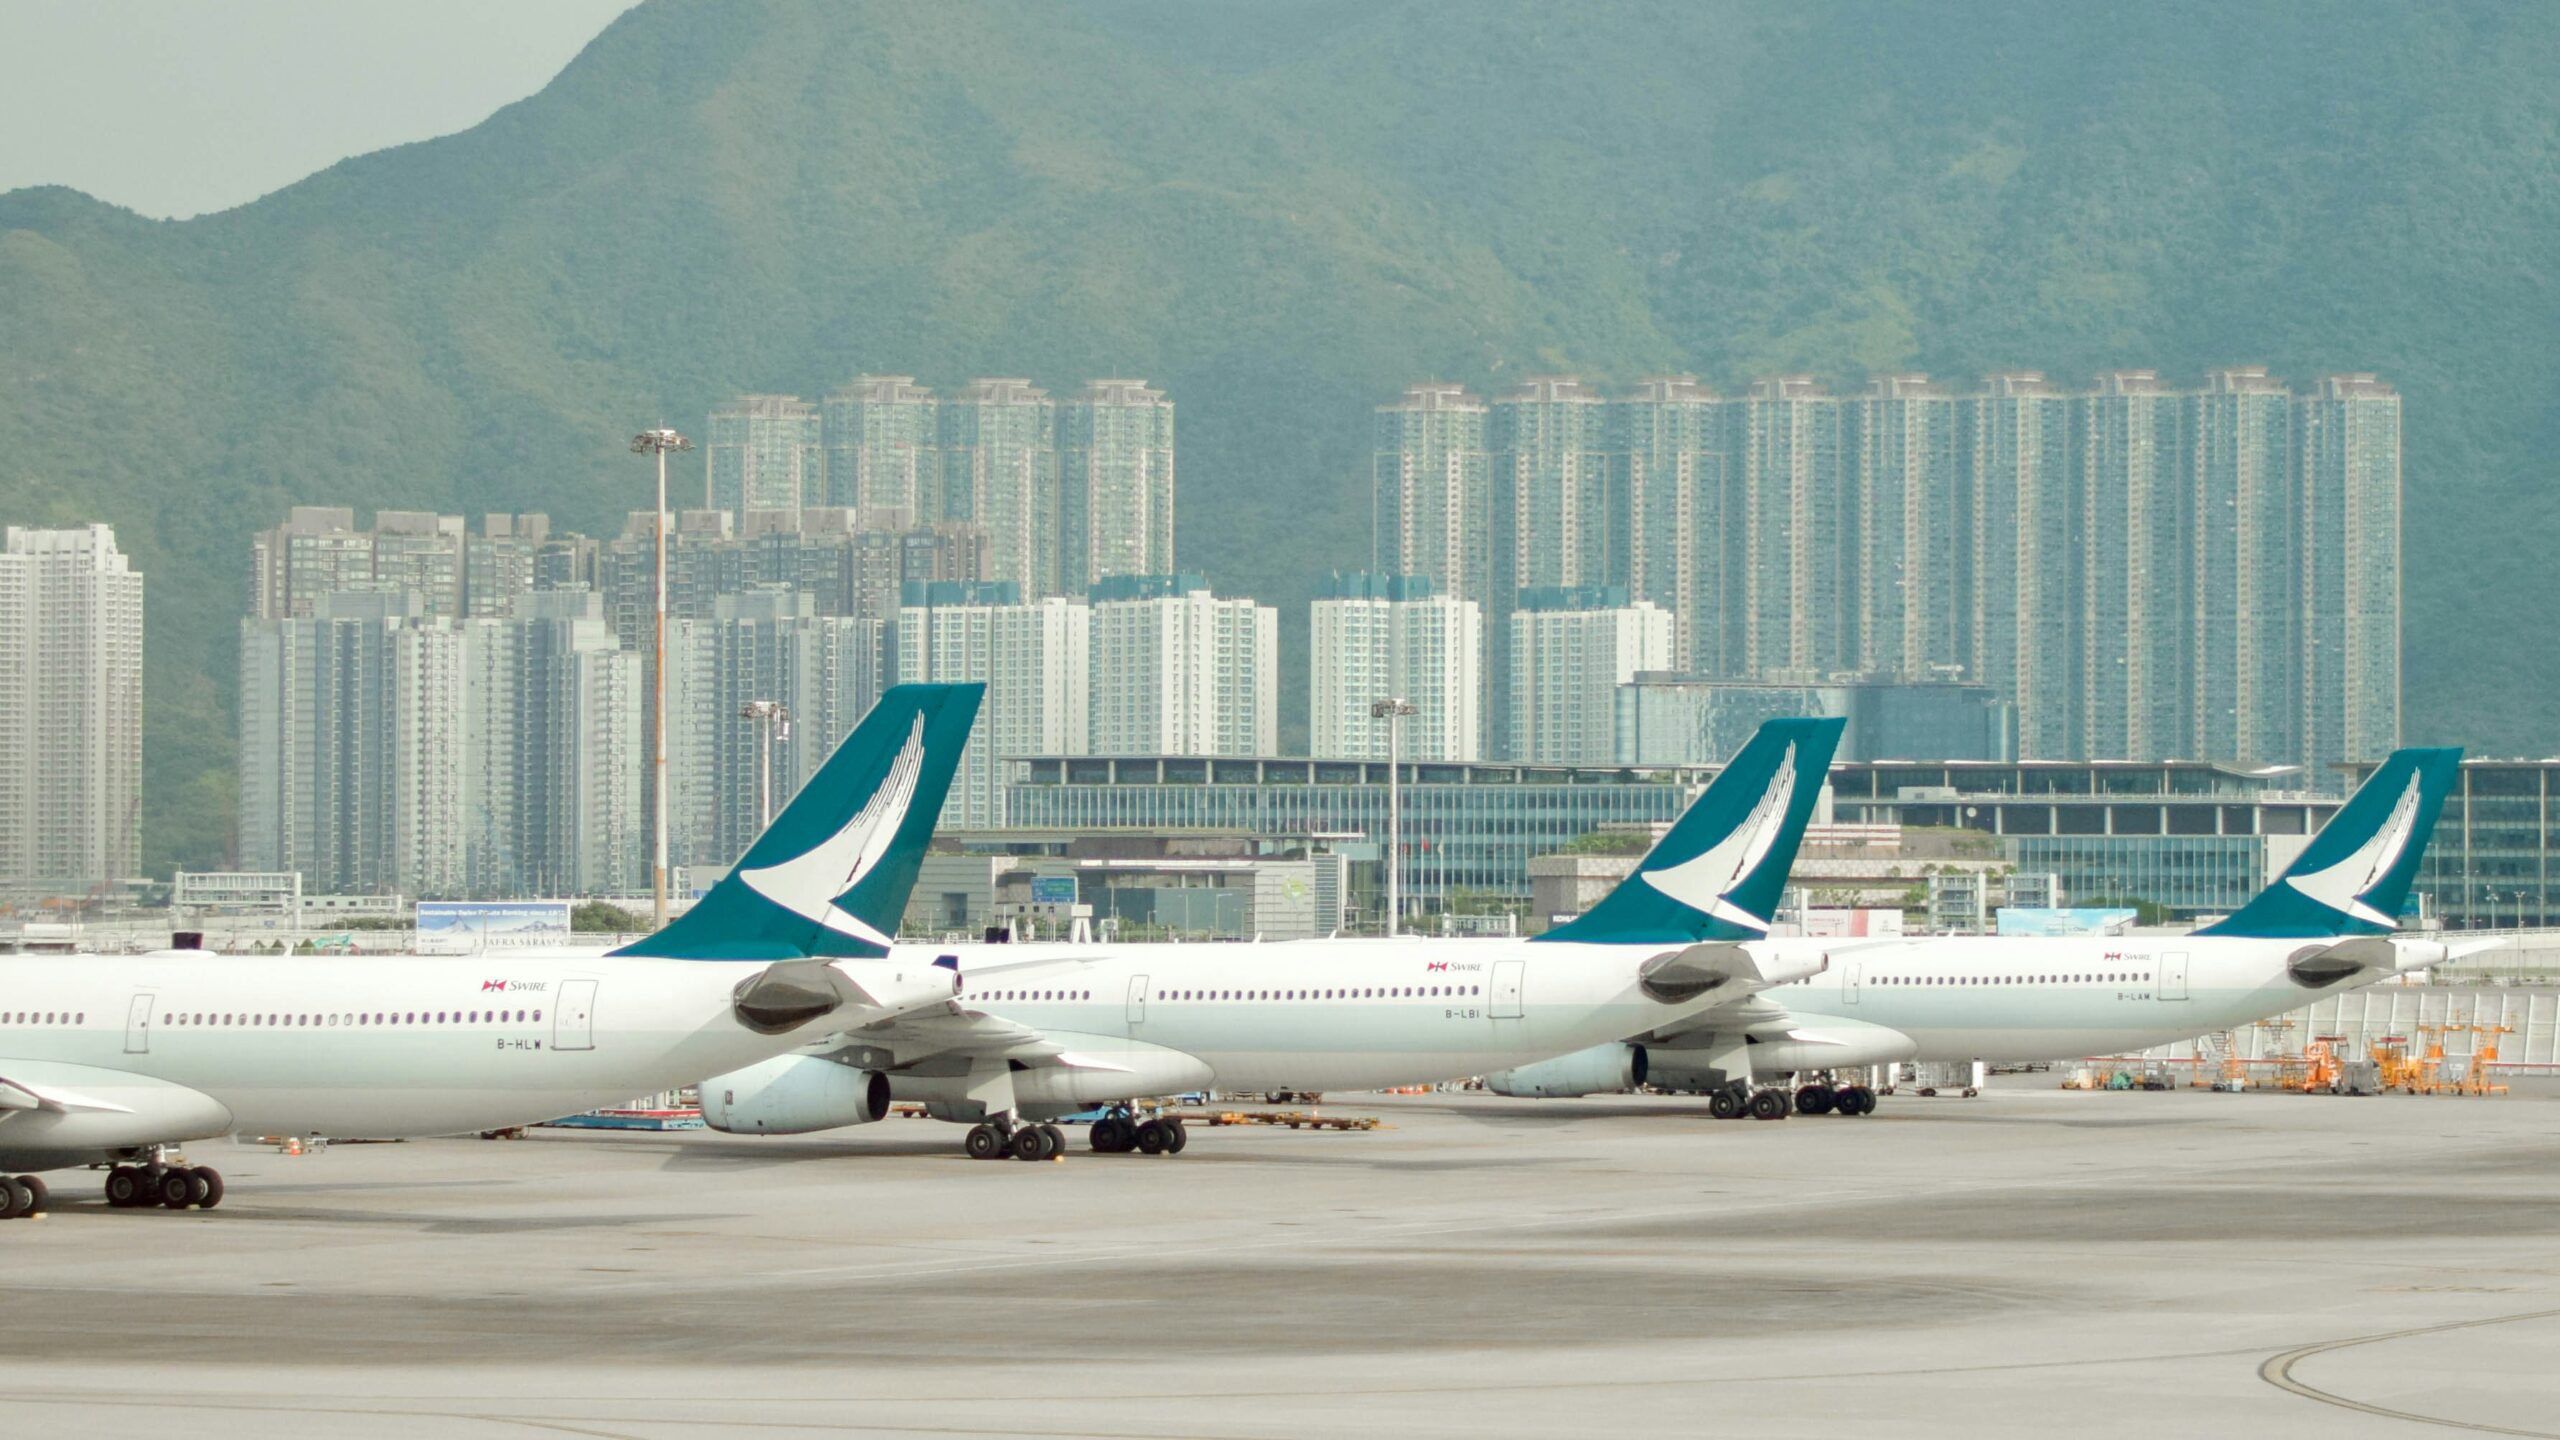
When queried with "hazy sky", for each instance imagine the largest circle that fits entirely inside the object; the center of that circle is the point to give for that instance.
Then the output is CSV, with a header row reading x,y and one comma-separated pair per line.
x,y
176,107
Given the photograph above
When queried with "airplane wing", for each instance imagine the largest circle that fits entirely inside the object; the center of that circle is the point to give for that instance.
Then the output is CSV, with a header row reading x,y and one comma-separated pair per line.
x,y
18,1093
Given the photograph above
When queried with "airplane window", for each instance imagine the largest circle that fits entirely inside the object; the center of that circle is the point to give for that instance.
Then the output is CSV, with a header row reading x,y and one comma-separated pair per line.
x,y
537,1015
80,1019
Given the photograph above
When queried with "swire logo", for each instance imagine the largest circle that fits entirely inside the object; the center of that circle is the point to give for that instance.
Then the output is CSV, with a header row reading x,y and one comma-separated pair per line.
x,y
488,985
1437,965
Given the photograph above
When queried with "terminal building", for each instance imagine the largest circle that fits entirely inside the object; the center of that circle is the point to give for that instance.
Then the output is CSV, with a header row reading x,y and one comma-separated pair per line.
x,y
2189,838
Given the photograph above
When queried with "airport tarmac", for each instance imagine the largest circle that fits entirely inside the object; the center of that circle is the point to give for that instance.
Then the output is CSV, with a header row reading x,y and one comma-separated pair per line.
x,y
2031,1261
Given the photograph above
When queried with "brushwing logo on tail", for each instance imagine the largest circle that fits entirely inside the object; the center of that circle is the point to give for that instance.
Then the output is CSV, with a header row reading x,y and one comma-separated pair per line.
x,y
2341,887
1703,881
807,884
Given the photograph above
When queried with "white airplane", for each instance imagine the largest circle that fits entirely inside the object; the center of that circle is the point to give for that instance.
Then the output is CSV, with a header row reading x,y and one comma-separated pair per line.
x,y
1038,1033
2322,928
120,1059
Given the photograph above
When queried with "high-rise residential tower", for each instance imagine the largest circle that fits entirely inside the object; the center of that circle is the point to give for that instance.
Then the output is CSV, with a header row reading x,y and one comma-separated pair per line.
x,y
2137,621
2022,589
2347,450
768,644
1800,531
882,439
1911,519
1178,671
1000,472
1571,648
1034,657
2246,689
1115,483
579,701
70,710
1672,451
762,453
1391,637
1432,492
1559,517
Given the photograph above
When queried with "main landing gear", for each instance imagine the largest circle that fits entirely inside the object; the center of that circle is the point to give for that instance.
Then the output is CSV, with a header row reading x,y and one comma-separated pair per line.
x,y
1122,1131
1001,1138
23,1195
170,1187
1821,1097
1734,1101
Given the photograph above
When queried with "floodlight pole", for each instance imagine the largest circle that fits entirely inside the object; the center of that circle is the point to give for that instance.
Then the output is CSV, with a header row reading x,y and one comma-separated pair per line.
x,y
1393,711
659,442
773,720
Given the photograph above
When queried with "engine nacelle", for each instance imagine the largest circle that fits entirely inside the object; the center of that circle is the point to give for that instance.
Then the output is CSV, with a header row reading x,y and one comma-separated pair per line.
x,y
1600,1070
793,1095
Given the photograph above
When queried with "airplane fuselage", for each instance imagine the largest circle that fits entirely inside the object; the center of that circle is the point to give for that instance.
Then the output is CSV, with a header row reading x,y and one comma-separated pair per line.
x,y
1349,1014
1326,1014
2027,999
365,1046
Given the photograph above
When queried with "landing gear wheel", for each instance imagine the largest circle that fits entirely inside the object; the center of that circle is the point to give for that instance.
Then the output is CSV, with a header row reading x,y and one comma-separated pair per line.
x,y
1816,1100
1057,1139
1113,1136
1725,1105
124,1188
209,1183
14,1199
1031,1142
43,1200
177,1189
1769,1105
983,1143
1175,1137
1857,1100
1151,1137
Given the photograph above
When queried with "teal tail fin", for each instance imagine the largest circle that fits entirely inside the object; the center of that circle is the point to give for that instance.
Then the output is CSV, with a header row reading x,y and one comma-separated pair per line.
x,y
2355,874
830,875
1719,873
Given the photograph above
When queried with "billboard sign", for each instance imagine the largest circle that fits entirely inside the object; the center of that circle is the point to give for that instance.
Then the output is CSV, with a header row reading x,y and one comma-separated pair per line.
x,y
479,927
1053,889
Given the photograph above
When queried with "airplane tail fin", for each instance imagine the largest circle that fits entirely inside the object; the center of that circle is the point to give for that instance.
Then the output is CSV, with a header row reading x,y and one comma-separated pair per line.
x,y
1720,871
2355,874
830,876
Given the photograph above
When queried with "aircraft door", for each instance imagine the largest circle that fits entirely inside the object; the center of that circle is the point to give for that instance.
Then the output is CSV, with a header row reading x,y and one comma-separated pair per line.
x,y
573,1018
1137,1000
2173,975
137,1025
1851,975
1506,988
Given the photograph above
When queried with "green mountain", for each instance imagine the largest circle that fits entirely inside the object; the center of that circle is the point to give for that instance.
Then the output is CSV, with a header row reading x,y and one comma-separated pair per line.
x,y
1281,213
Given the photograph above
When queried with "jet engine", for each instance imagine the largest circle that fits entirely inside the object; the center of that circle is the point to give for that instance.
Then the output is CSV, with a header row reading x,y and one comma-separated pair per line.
x,y
1602,1069
793,1095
